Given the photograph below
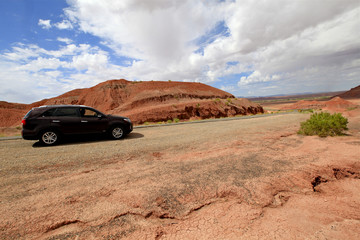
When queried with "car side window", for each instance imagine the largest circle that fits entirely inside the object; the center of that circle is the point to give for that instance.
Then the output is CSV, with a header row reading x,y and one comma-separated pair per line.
x,y
66,112
85,112
49,113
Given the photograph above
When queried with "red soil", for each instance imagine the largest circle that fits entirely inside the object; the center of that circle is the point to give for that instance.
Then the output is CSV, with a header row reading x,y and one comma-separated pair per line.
x,y
143,102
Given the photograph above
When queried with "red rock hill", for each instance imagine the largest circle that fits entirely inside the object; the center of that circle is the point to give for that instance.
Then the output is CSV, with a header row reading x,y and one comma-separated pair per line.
x,y
144,101
351,94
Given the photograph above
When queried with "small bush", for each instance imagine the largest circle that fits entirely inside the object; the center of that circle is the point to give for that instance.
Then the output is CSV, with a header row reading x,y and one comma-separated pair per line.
x,y
324,124
306,111
351,108
169,121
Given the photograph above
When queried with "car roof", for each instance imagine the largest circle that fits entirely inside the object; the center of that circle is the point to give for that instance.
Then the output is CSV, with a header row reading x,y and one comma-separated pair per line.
x,y
46,107
52,106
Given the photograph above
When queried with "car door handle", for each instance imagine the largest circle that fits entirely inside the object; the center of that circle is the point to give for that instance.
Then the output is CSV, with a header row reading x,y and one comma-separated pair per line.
x,y
83,121
55,121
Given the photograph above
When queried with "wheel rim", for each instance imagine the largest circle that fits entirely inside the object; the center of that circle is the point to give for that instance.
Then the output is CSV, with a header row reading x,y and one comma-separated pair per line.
x,y
49,137
117,132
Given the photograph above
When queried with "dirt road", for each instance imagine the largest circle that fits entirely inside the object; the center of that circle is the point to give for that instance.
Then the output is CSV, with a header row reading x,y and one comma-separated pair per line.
x,y
241,179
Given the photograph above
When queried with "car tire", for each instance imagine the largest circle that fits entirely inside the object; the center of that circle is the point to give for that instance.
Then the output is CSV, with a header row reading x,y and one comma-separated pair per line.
x,y
116,132
49,137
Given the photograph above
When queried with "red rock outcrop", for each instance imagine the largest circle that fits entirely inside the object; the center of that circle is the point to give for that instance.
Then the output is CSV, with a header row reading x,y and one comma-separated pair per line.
x,y
351,94
145,101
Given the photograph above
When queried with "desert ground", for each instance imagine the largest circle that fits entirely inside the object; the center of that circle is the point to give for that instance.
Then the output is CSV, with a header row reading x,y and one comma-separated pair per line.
x,y
239,179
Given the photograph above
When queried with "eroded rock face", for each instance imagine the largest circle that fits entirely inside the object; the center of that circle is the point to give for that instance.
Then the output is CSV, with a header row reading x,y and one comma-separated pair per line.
x,y
352,93
198,109
145,101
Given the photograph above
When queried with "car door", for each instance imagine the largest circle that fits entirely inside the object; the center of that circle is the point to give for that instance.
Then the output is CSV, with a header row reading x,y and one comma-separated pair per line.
x,y
92,121
67,120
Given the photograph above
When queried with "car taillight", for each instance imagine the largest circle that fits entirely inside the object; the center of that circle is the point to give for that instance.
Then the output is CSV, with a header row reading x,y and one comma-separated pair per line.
x,y
23,122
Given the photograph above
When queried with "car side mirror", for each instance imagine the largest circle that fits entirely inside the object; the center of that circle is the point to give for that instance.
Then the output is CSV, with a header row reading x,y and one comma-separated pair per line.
x,y
100,116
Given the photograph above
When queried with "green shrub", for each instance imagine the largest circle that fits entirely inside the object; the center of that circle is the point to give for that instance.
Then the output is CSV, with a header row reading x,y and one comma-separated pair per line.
x,y
306,110
351,108
324,124
176,120
169,121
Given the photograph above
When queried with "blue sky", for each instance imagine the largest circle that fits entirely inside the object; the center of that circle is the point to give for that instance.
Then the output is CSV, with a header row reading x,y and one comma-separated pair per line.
x,y
248,48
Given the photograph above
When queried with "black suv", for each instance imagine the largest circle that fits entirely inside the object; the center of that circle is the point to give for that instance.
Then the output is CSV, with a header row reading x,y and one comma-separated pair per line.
x,y
50,123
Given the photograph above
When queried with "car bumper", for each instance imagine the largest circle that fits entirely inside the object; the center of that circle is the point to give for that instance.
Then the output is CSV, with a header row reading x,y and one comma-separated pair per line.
x,y
130,128
29,134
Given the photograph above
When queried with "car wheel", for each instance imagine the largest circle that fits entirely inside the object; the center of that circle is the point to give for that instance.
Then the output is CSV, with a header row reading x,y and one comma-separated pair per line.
x,y
117,132
49,137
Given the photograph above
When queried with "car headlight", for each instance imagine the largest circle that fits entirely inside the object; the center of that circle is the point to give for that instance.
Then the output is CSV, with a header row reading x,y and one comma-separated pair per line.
x,y
128,120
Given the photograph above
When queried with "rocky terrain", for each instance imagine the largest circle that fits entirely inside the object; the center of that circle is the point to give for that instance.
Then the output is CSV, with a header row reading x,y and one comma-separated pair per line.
x,y
144,102
240,179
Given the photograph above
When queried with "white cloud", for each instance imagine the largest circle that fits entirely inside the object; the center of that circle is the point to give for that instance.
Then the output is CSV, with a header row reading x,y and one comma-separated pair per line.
x,y
65,40
96,61
158,32
42,73
41,63
44,23
257,77
65,24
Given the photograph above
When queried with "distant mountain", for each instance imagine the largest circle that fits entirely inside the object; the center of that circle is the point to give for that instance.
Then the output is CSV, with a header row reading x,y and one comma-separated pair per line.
x,y
295,95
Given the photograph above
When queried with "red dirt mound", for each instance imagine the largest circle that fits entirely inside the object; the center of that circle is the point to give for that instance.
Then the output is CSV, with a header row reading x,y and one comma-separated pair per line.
x,y
336,104
144,101
351,94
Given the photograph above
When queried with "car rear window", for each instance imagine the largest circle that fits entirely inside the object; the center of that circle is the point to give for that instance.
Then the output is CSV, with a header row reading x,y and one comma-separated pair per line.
x,y
49,113
28,114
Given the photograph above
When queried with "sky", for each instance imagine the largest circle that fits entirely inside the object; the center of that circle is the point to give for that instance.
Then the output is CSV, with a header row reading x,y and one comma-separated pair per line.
x,y
245,47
